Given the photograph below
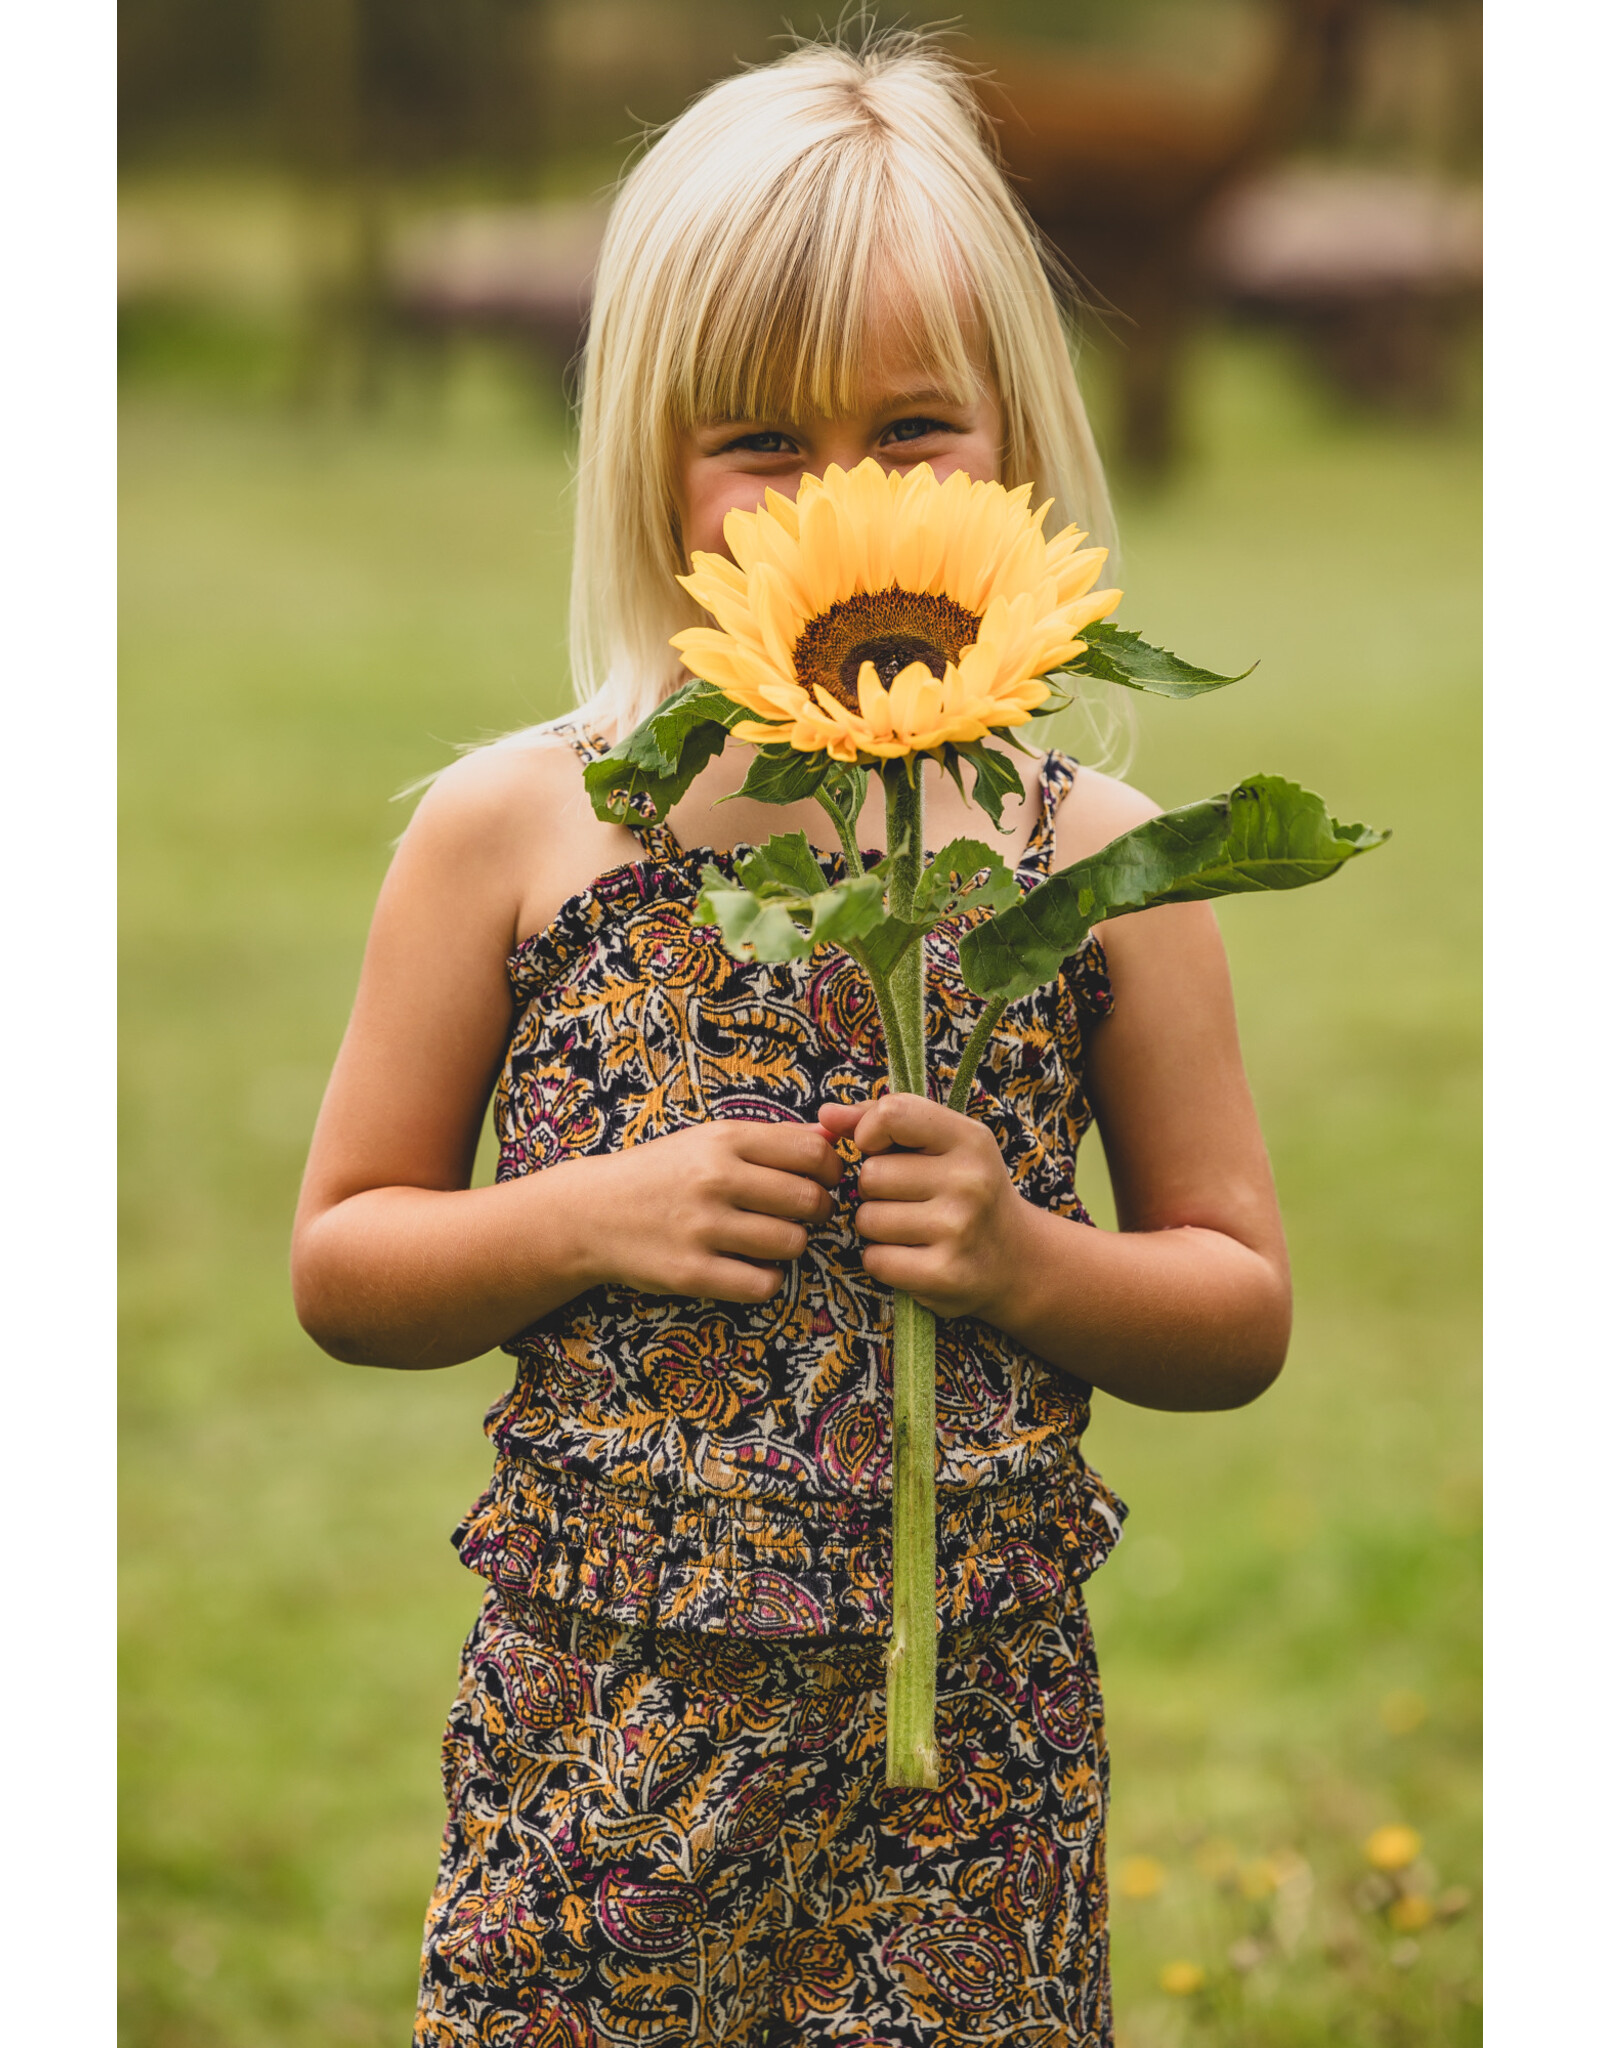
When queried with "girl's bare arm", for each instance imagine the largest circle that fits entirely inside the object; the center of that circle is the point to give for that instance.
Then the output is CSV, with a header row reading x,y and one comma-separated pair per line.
x,y
397,1260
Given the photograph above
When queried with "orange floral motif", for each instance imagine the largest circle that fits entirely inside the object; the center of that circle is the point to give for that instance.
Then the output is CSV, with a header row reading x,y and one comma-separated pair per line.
x,y
542,1688
669,947
1060,1699
705,1373
841,1001
556,1118
813,1973
493,1934
971,1793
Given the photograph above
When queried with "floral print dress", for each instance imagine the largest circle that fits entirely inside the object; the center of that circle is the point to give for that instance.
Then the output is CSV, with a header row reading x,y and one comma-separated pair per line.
x,y
667,1821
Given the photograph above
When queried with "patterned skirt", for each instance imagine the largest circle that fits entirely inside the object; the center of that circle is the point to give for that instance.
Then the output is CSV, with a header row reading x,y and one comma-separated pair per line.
x,y
669,1839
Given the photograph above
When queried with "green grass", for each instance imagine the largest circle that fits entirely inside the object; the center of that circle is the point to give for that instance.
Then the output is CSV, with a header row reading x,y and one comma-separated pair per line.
x,y
313,612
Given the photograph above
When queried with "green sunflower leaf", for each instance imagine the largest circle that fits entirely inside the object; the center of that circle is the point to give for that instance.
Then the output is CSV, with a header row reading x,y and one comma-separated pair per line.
x,y
785,864
645,774
883,945
1264,834
783,775
751,929
783,905
965,875
993,777
1116,654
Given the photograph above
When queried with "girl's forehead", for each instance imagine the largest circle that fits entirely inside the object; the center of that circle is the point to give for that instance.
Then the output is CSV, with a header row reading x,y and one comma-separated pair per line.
x,y
894,366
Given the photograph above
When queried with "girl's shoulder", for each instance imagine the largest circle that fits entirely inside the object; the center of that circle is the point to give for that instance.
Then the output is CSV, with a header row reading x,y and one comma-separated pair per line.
x,y
514,818
1098,809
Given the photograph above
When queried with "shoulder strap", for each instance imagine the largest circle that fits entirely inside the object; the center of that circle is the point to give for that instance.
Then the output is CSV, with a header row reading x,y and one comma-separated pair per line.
x,y
1057,773
658,840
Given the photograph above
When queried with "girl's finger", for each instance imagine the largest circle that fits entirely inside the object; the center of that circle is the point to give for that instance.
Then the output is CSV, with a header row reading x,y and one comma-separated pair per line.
x,y
764,1191
910,1121
791,1148
735,1280
900,1177
839,1119
897,1222
760,1237
909,1269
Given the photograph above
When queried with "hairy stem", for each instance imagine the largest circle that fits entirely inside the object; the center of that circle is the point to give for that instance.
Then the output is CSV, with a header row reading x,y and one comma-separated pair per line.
x,y
846,831
983,1031
912,1664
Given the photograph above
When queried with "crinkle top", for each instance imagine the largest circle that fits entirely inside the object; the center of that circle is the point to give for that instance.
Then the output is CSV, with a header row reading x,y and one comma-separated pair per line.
x,y
698,1464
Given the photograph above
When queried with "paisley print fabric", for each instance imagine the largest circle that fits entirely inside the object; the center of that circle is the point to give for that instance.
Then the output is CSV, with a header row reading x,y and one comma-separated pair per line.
x,y
668,1838
696,1465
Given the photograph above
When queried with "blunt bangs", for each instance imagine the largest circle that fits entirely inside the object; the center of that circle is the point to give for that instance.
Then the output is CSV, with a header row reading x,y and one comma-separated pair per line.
x,y
796,300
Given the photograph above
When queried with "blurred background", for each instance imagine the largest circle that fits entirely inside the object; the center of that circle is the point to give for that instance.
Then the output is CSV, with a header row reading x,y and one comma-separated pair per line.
x,y
356,243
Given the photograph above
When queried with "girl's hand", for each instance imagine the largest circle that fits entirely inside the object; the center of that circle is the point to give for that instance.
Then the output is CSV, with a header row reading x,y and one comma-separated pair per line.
x,y
942,1218
710,1211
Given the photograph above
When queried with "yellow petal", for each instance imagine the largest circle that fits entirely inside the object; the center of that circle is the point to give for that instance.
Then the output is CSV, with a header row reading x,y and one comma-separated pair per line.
x,y
740,531
774,611
873,699
821,556
904,694
1098,604
785,511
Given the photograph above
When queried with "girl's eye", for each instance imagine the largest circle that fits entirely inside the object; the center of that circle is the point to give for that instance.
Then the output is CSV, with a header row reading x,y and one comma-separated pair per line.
x,y
768,443
913,429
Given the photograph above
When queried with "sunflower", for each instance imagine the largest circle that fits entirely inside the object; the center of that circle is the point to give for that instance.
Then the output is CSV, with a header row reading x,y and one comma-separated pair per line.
x,y
890,614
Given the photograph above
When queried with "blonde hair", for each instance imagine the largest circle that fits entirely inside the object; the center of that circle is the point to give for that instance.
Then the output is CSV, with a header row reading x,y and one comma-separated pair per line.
x,y
741,270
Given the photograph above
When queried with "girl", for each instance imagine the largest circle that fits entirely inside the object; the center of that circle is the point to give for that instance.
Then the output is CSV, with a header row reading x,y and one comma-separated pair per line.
x,y
667,1821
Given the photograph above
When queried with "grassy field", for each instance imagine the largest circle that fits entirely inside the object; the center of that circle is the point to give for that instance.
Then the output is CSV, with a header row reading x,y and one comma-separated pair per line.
x,y
314,612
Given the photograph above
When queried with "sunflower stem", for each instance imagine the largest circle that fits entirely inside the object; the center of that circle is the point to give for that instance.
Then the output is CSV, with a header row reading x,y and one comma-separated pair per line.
x,y
912,1663
846,831
983,1031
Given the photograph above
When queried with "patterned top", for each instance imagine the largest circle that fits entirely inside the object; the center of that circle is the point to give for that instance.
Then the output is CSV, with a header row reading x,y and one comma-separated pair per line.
x,y
706,1465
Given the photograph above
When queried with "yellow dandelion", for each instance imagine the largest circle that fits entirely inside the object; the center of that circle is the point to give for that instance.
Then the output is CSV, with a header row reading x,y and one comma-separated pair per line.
x,y
1410,1913
1181,1979
1140,1877
1393,1847
888,614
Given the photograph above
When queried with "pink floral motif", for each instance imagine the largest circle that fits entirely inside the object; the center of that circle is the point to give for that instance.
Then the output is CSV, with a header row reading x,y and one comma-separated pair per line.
x,y
959,1963
754,1816
649,1916
1029,1883
855,1445
773,1605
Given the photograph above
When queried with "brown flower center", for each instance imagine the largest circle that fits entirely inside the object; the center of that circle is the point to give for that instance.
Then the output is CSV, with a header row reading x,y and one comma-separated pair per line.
x,y
890,628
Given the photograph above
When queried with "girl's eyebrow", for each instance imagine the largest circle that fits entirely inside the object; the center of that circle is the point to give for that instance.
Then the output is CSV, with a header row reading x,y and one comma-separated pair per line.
x,y
898,402
911,401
